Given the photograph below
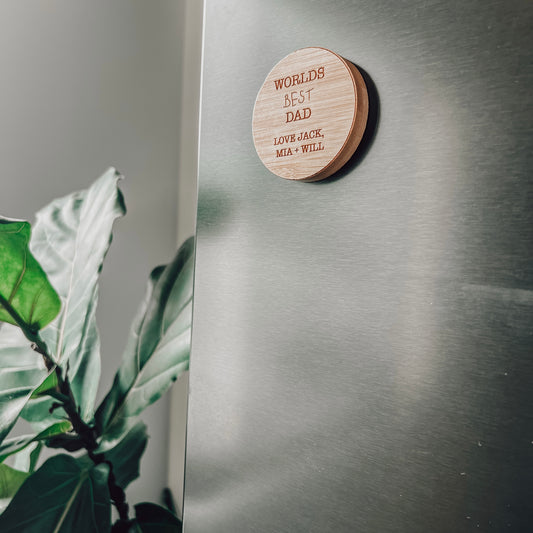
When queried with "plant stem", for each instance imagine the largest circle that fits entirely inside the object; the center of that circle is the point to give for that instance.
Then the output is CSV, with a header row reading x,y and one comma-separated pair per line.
x,y
88,437
86,433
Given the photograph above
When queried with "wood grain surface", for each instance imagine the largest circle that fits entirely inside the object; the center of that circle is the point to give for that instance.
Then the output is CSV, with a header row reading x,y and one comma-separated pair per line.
x,y
310,115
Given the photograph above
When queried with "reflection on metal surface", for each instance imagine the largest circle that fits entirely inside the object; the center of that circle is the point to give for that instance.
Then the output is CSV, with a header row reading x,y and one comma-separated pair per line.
x,y
362,347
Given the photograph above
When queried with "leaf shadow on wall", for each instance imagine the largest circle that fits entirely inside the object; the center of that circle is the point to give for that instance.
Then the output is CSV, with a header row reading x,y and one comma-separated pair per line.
x,y
369,134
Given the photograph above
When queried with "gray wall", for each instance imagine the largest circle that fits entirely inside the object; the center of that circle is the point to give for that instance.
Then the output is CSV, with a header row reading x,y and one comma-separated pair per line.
x,y
86,85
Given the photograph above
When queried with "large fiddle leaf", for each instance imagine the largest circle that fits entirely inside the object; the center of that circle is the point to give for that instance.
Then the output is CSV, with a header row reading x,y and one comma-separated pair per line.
x,y
27,298
158,349
22,370
71,237
61,497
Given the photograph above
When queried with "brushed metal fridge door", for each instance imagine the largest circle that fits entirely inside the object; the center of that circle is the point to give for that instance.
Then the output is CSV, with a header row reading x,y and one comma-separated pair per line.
x,y
362,347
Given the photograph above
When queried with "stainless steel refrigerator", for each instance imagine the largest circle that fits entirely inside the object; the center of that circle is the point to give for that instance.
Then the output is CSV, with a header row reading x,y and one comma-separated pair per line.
x,y
362,353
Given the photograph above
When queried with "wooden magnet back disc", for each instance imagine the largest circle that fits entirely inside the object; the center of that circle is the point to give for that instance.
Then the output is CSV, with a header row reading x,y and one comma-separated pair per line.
x,y
310,115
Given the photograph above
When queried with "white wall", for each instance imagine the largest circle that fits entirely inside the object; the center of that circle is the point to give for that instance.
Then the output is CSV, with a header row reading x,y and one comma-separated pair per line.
x,y
85,85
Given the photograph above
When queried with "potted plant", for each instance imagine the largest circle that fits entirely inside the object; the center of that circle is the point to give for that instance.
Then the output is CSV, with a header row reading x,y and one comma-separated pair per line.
x,y
50,365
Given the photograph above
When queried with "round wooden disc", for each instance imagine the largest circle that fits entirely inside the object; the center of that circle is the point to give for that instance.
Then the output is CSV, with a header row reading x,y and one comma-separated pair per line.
x,y
310,115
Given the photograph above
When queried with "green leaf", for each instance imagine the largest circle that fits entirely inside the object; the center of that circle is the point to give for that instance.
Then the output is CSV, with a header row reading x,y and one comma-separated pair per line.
x,y
158,349
34,457
126,455
26,459
16,444
49,383
21,371
28,301
10,481
24,287
71,237
61,497
155,519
